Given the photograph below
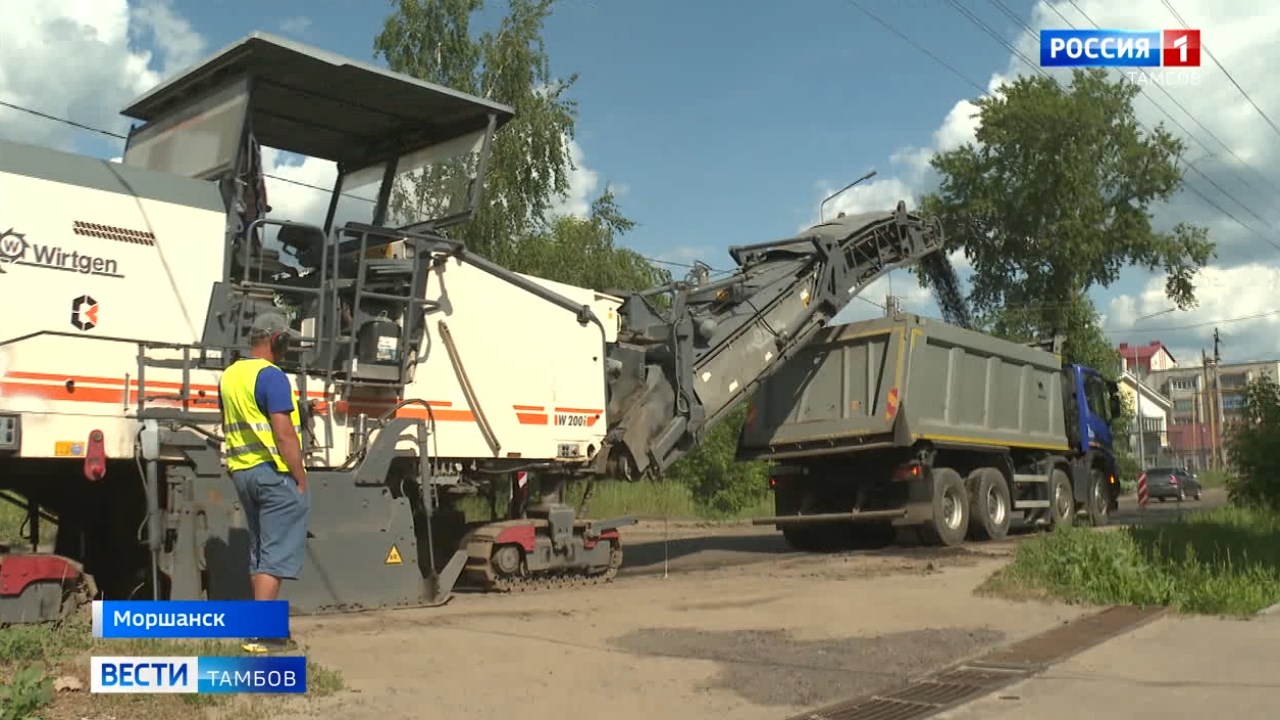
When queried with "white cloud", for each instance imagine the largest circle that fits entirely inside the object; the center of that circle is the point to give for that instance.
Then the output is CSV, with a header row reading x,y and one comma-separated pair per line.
x,y
1242,282
296,25
1243,291
102,54
583,185
79,59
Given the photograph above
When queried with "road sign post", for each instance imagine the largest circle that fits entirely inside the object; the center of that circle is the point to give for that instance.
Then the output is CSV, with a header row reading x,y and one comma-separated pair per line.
x,y
1142,495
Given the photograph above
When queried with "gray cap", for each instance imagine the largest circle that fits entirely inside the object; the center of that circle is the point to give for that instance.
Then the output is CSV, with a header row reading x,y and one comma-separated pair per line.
x,y
269,323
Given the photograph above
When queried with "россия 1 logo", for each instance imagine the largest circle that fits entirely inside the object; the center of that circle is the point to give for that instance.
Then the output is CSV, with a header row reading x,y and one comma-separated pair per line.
x,y
1120,48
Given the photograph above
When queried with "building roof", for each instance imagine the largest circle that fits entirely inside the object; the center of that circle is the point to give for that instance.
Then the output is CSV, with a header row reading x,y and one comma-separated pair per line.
x,y
1144,352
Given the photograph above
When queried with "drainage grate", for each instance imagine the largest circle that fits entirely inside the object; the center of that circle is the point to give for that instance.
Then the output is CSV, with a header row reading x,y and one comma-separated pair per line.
x,y
968,681
1074,637
921,698
935,693
977,676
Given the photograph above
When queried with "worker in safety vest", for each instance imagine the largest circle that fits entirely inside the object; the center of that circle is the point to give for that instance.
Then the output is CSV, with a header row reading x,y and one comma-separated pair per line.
x,y
263,436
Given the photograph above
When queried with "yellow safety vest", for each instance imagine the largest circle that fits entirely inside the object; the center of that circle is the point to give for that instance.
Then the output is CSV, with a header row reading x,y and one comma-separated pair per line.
x,y
247,429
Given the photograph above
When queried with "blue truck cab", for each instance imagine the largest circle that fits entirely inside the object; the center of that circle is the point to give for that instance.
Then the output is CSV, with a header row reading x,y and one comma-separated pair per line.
x,y
1092,409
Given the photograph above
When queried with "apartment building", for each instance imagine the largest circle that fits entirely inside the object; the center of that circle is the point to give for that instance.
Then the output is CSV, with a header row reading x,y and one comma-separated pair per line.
x,y
1192,434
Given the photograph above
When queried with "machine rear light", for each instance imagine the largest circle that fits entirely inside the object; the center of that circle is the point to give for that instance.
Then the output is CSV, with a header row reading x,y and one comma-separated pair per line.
x,y
910,471
10,432
95,457
782,475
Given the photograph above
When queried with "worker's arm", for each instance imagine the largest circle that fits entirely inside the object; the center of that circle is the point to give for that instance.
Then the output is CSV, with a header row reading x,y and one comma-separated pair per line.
x,y
275,398
290,450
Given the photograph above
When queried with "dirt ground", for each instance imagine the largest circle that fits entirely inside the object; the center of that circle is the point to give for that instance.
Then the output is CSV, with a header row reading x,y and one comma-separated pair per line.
x,y
706,620
765,639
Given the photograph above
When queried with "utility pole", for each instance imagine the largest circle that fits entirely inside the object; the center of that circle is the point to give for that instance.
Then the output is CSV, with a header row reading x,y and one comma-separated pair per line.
x,y
891,305
1217,399
1137,410
1208,409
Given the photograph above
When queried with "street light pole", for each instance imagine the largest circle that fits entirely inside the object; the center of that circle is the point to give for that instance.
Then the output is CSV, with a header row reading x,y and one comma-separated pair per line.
x,y
1137,392
1137,408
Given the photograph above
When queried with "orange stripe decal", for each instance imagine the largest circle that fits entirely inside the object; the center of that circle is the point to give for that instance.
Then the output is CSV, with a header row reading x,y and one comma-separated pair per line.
x,y
532,418
578,411
119,382
530,408
442,415
113,396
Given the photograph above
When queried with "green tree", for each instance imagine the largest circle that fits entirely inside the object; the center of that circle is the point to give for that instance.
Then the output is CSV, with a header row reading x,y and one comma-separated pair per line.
x,y
530,163
1252,444
1053,200
529,169
582,252
722,485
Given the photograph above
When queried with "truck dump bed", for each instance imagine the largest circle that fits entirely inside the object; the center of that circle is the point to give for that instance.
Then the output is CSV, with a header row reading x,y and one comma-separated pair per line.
x,y
892,381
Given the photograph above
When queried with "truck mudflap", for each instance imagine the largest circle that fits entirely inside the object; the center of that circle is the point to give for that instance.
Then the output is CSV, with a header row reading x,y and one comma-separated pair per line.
x,y
41,587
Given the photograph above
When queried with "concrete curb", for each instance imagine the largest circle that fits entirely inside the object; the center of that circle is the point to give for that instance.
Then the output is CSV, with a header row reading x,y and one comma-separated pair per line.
x,y
1273,610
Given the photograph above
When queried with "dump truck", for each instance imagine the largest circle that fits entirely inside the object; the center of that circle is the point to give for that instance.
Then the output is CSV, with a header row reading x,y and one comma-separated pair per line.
x,y
906,425
426,374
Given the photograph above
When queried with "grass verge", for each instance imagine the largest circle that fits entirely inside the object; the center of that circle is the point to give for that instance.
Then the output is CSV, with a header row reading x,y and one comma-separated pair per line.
x,y
643,499
37,659
1225,561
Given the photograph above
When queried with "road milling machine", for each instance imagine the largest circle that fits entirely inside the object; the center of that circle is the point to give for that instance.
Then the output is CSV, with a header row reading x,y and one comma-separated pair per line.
x,y
426,374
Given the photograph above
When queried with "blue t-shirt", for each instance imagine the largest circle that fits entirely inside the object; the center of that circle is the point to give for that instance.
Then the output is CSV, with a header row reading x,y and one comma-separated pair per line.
x,y
272,392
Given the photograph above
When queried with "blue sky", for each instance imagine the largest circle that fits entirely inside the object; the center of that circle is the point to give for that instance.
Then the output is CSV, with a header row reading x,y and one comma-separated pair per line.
x,y
724,122
717,119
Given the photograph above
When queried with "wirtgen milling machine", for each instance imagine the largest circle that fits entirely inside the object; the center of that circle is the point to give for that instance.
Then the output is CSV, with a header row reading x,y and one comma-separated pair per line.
x,y
427,374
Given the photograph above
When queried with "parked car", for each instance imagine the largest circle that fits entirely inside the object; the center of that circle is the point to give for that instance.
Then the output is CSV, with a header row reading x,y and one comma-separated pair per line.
x,y
1166,482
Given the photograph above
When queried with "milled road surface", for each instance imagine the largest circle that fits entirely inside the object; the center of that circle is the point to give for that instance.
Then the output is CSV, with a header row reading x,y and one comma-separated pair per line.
x,y
740,627
760,641
693,546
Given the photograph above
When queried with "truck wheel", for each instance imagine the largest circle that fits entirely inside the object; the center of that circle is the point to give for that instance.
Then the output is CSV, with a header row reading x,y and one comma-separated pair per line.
x,y
1099,500
950,509
1062,503
989,504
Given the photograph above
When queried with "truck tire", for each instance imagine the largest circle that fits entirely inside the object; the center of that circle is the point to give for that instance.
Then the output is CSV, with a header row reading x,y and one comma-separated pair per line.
x,y
1062,503
950,521
989,505
1099,507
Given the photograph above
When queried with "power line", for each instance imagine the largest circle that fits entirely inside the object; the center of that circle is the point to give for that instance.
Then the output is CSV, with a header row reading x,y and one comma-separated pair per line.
x,y
916,45
1191,166
109,133
1185,111
1194,190
1221,67
118,136
1189,134
1194,326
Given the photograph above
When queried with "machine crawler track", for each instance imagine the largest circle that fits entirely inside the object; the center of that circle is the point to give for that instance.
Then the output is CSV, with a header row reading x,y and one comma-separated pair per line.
x,y
519,556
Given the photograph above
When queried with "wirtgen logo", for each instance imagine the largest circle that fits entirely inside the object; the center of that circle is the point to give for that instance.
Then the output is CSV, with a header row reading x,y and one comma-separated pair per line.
x,y
15,249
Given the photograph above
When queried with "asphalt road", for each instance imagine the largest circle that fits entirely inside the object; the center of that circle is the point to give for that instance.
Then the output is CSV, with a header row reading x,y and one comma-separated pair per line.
x,y
684,548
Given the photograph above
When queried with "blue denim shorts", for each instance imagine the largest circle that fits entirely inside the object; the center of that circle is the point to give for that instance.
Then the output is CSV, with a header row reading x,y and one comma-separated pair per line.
x,y
277,516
